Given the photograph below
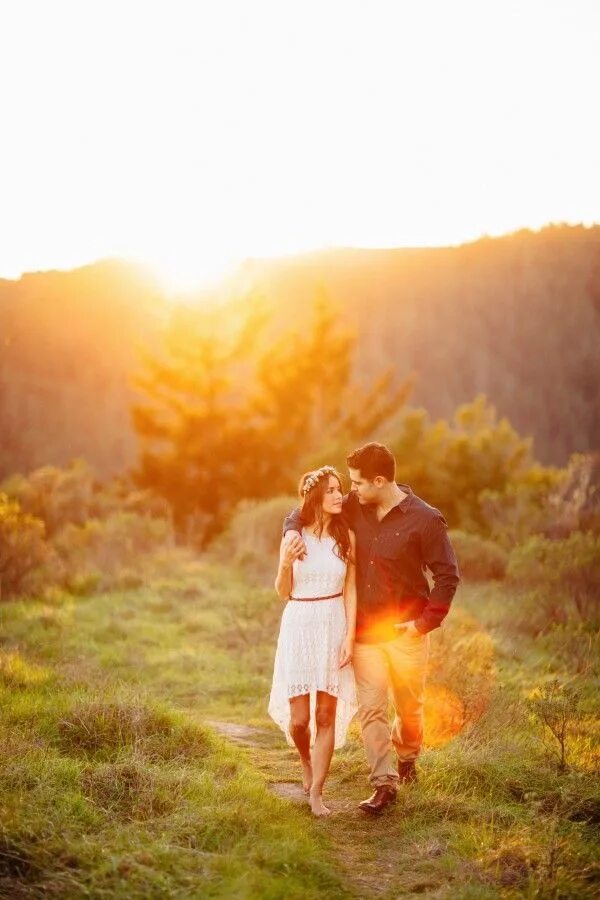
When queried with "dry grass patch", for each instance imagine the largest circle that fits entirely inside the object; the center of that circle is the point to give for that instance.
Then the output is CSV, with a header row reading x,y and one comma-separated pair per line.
x,y
131,791
15,862
111,727
17,672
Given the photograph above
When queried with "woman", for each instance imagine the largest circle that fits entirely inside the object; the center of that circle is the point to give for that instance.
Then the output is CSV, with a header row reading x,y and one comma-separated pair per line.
x,y
313,682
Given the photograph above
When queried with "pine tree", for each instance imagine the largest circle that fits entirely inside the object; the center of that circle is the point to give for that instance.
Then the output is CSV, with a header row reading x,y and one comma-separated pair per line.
x,y
232,415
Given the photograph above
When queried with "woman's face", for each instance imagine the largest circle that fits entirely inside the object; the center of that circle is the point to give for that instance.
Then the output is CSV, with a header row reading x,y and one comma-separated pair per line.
x,y
332,498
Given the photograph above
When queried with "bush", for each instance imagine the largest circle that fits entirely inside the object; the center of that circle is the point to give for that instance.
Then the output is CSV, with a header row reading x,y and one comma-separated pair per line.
x,y
251,541
577,498
23,549
111,544
461,677
556,707
62,528
573,648
54,495
478,559
550,502
462,465
562,576
72,496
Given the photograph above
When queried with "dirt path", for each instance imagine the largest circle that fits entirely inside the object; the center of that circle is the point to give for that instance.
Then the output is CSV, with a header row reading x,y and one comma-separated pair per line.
x,y
261,740
362,846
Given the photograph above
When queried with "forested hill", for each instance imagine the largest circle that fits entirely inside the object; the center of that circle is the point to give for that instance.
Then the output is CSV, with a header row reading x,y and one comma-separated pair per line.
x,y
68,343
516,317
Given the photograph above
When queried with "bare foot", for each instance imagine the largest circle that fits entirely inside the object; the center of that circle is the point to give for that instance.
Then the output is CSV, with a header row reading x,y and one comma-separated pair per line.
x,y
317,806
306,775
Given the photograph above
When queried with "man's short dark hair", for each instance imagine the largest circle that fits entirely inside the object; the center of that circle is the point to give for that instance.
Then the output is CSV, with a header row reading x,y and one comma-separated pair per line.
x,y
373,460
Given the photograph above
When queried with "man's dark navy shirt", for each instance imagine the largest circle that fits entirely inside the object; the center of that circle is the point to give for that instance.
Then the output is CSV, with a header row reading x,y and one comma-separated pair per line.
x,y
392,557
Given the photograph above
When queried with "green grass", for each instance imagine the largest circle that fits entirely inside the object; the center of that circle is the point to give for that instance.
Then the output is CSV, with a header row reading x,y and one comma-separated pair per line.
x,y
114,784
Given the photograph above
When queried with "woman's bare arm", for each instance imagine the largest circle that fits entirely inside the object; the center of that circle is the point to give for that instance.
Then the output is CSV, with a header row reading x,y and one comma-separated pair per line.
x,y
289,551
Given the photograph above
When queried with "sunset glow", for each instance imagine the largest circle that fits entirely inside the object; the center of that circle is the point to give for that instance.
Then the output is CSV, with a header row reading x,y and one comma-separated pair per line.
x,y
190,136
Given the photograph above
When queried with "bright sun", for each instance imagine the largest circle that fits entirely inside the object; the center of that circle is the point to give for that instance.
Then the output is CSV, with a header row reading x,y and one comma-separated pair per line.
x,y
180,276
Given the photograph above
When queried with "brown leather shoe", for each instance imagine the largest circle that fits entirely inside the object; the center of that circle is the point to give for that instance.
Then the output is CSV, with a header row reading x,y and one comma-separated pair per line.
x,y
407,771
378,801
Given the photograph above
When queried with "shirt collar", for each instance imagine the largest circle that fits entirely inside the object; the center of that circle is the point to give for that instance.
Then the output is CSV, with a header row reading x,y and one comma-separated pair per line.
x,y
405,504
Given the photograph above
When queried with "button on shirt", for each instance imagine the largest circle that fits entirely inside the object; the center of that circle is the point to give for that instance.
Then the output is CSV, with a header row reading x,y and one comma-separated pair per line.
x,y
392,557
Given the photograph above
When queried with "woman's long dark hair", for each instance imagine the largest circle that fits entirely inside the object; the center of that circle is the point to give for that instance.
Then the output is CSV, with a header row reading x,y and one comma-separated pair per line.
x,y
312,509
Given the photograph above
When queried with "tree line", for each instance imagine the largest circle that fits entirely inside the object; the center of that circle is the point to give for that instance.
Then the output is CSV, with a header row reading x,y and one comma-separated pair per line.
x,y
514,318
228,416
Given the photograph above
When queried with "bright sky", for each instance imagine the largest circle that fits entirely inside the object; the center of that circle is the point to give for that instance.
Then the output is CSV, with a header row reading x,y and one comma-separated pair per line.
x,y
190,135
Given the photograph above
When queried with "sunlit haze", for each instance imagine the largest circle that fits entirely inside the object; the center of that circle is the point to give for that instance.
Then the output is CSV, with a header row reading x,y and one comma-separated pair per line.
x,y
191,135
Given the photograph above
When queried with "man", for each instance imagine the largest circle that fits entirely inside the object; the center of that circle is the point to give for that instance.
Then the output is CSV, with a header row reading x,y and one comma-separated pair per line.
x,y
398,535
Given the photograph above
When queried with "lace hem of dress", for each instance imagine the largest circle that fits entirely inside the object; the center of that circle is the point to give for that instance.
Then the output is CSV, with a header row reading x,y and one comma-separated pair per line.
x,y
296,690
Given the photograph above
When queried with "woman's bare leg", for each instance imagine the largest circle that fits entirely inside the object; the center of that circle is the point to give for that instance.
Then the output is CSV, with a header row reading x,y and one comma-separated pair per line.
x,y
300,732
322,750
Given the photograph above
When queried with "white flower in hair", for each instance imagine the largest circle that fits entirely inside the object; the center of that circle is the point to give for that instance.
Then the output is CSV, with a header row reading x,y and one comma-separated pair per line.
x,y
314,477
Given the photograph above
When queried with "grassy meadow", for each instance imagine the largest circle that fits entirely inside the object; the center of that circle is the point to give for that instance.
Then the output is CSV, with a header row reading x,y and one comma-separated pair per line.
x,y
119,776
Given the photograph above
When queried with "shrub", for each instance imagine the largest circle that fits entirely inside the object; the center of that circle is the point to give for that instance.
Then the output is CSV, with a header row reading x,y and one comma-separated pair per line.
x,y
573,648
478,559
556,707
62,527
23,549
512,515
252,538
74,495
561,575
99,550
55,495
86,582
577,497
457,464
462,675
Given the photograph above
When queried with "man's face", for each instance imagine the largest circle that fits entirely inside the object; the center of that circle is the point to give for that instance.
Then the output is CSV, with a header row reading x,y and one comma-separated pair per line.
x,y
365,490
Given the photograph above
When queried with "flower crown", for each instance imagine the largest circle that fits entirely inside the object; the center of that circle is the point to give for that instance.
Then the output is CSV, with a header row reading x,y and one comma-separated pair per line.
x,y
314,477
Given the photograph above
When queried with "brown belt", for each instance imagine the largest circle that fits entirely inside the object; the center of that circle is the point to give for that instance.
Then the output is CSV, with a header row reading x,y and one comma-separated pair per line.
x,y
309,599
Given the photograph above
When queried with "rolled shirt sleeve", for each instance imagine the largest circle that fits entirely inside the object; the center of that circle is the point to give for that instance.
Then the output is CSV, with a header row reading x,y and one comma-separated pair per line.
x,y
293,521
440,559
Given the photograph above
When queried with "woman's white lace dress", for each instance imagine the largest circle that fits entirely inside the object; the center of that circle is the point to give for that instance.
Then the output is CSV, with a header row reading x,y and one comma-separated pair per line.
x,y
310,637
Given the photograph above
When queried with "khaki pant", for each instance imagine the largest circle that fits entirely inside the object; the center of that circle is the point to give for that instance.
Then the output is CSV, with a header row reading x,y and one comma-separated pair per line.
x,y
398,666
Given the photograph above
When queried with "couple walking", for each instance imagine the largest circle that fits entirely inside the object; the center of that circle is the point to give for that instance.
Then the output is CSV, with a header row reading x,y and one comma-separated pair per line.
x,y
356,623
